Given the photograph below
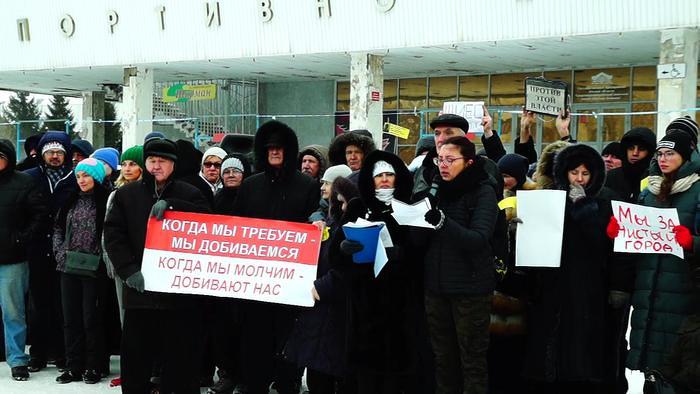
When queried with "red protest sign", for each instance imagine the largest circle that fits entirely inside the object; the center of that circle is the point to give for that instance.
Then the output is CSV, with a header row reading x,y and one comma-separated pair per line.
x,y
229,256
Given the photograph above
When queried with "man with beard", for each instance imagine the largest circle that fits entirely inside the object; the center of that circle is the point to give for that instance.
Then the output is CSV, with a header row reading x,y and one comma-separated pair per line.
x,y
54,177
279,191
313,161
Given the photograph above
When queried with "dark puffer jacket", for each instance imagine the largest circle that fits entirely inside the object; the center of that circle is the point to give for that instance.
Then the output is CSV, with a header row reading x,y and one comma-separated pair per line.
x,y
22,209
459,259
662,296
566,331
125,233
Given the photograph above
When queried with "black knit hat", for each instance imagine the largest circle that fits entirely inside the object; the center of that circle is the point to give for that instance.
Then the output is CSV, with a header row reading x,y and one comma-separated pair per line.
x,y
450,120
687,125
514,165
679,142
615,149
160,147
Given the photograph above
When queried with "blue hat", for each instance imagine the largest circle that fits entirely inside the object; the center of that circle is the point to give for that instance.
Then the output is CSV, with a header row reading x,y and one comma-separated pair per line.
x,y
153,134
93,168
109,156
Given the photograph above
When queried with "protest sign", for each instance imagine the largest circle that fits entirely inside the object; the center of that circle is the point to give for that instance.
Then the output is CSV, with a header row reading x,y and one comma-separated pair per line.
x,y
646,229
229,256
542,215
472,111
545,97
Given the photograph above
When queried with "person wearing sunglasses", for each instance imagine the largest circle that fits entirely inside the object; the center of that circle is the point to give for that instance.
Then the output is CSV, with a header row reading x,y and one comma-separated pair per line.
x,y
211,168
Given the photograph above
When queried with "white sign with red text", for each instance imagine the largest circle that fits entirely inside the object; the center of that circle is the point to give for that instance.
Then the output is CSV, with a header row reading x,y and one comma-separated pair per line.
x,y
646,229
229,256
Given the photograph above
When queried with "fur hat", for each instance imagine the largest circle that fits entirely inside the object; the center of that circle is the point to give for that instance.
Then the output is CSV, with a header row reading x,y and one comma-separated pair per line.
x,y
92,167
160,147
544,172
573,156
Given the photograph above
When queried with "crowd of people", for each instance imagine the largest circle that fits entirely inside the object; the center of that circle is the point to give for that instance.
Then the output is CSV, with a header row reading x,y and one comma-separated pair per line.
x,y
449,313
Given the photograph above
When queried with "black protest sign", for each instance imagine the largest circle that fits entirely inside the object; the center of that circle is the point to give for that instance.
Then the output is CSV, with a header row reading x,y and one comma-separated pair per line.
x,y
546,97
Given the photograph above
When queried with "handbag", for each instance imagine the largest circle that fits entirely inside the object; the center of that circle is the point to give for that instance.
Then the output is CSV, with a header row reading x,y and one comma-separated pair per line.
x,y
79,263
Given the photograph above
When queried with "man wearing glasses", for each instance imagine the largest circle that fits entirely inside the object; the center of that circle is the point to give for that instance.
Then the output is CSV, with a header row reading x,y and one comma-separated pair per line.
x,y
54,178
211,169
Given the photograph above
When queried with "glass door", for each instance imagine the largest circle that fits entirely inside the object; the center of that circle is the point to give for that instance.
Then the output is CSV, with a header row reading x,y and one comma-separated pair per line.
x,y
597,129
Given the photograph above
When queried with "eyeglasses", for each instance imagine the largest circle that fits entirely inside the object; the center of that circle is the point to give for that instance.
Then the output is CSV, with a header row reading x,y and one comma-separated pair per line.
x,y
447,160
669,154
208,164
55,153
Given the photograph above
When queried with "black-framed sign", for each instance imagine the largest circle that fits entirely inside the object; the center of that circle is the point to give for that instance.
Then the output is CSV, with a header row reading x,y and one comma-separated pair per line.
x,y
546,97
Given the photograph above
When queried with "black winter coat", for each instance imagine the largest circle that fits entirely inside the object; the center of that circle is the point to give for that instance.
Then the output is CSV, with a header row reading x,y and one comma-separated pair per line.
x,y
224,200
567,319
22,209
459,259
125,233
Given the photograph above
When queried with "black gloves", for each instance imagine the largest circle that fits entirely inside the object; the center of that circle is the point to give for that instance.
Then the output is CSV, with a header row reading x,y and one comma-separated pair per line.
x,y
350,247
435,217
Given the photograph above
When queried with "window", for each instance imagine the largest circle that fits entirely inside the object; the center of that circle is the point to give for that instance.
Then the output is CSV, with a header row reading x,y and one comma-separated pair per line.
x,y
442,89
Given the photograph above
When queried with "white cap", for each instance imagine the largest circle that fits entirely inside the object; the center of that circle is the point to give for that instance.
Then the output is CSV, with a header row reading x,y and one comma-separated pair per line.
x,y
336,171
214,151
381,167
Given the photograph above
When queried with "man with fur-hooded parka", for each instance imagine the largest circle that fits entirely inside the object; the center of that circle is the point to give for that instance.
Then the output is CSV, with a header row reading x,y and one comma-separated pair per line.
x,y
358,138
279,192
566,332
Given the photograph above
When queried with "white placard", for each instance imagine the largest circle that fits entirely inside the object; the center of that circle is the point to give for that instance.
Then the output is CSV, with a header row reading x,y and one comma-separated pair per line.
x,y
539,237
646,229
472,111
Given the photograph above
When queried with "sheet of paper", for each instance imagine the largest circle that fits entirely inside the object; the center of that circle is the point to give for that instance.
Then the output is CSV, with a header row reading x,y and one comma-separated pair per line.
x,y
380,258
646,229
539,237
472,111
411,215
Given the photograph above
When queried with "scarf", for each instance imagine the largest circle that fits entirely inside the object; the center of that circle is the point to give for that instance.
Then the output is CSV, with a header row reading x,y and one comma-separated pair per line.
x,y
384,195
54,175
679,186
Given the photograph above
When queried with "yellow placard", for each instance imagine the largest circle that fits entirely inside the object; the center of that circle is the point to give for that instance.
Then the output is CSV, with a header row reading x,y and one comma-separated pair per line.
x,y
394,129
643,184
509,202
182,93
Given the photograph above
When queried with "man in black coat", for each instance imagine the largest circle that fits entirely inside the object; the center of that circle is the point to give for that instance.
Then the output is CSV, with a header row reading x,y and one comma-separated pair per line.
x,y
279,191
55,179
22,213
152,318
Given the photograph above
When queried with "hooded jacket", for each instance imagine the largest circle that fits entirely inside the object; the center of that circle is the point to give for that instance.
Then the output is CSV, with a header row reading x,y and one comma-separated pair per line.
x,y
30,162
22,209
188,168
544,172
277,193
625,180
567,326
320,153
125,233
336,150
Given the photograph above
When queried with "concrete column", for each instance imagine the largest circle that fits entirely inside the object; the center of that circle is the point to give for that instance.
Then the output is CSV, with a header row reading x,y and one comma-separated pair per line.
x,y
137,105
94,110
367,94
677,46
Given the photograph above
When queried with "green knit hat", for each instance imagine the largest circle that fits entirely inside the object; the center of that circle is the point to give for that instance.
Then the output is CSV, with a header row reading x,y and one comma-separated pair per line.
x,y
135,154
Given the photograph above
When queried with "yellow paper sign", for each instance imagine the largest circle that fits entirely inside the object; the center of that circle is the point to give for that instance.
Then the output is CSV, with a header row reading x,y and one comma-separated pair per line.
x,y
509,202
393,129
643,183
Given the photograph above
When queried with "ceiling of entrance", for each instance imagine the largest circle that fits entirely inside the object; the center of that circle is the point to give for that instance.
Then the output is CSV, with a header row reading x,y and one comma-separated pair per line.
x,y
602,50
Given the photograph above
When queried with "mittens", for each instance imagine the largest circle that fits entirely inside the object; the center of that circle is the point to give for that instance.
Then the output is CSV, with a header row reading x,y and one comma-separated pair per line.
x,y
684,237
613,228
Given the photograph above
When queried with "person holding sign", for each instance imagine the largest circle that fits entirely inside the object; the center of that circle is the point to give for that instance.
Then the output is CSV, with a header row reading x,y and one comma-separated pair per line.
x,y
459,267
662,296
566,340
151,318
382,322
278,191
